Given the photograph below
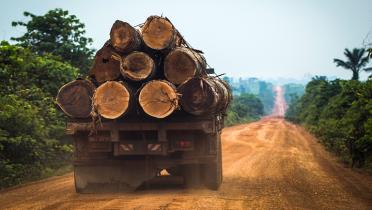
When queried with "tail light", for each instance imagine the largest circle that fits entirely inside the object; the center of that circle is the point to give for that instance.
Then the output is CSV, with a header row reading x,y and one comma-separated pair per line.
x,y
183,144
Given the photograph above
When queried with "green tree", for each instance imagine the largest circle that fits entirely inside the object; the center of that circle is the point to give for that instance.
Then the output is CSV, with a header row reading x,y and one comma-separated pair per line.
x,y
244,108
32,141
356,60
59,34
21,69
339,113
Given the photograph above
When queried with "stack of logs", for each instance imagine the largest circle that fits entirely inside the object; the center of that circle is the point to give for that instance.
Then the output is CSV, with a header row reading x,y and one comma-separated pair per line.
x,y
152,67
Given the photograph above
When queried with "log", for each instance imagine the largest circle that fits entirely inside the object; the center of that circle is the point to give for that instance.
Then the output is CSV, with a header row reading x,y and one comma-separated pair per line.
x,y
75,98
106,65
158,98
124,38
182,64
201,96
112,99
158,33
225,94
138,66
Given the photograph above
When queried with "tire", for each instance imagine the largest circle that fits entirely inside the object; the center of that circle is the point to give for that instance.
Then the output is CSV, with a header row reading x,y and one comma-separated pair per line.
x,y
212,172
191,175
79,181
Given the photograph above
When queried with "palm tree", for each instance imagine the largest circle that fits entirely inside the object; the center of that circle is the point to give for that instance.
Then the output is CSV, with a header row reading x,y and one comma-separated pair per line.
x,y
356,60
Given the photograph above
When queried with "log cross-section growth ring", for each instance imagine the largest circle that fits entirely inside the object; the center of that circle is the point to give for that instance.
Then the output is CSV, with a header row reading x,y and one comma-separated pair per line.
x,y
182,64
158,98
124,38
75,98
112,99
158,33
138,66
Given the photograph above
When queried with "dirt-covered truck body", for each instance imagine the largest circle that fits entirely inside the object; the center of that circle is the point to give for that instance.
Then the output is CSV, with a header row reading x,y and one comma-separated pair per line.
x,y
126,153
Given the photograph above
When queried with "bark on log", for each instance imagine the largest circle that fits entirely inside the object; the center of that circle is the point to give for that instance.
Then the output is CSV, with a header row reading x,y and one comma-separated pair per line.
x,y
124,38
112,99
158,98
138,66
200,96
75,98
182,64
158,33
106,65
226,95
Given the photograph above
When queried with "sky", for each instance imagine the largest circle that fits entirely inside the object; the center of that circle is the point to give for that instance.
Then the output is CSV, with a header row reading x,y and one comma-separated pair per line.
x,y
267,39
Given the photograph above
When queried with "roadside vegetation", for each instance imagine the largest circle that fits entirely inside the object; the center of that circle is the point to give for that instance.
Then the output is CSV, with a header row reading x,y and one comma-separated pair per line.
x,y
244,108
339,112
52,52
252,99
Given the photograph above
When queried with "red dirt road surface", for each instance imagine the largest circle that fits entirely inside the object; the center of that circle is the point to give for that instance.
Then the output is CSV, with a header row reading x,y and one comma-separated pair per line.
x,y
280,105
269,164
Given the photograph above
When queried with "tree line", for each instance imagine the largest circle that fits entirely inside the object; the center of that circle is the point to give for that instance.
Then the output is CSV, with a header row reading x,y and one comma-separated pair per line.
x,y
52,52
244,108
339,112
263,90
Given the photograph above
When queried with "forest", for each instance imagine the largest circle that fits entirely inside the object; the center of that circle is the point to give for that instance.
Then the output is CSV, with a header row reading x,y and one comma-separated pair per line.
x,y
339,113
52,52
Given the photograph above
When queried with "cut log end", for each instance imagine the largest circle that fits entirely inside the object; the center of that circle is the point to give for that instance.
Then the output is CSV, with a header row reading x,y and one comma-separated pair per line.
x,y
138,66
158,33
74,98
105,66
201,96
112,99
124,38
158,98
182,64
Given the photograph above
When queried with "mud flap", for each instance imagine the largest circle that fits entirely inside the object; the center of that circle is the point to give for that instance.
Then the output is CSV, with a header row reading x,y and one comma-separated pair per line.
x,y
116,178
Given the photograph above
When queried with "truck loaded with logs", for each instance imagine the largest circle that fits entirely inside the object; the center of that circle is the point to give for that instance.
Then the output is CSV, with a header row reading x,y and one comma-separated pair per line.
x,y
149,103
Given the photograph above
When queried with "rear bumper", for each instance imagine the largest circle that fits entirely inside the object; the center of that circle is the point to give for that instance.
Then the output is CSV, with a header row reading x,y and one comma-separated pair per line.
x,y
160,162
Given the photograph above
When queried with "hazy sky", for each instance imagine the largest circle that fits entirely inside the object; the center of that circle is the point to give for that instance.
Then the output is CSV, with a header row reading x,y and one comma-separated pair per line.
x,y
267,39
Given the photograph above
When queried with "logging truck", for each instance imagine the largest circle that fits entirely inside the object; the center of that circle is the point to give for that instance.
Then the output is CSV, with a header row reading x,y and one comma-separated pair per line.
x,y
148,105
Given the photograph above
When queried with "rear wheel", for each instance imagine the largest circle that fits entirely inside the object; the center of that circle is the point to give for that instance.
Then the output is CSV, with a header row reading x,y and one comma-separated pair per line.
x,y
191,175
212,172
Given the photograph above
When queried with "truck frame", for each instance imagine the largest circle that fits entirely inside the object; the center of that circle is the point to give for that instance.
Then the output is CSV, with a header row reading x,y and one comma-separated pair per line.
x,y
125,153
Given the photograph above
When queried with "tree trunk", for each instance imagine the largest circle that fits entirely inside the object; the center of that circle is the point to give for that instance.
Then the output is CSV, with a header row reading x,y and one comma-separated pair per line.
x,y
106,65
201,96
158,33
74,98
138,66
182,64
355,74
124,38
112,99
158,98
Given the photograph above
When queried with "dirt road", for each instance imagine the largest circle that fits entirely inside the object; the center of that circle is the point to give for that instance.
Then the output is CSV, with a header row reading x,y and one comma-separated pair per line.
x,y
280,104
269,164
